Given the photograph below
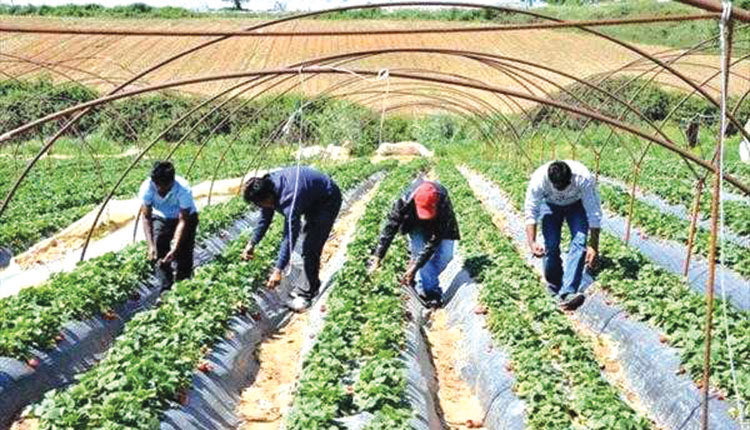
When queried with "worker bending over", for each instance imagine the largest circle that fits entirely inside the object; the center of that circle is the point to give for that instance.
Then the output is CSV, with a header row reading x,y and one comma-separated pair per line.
x,y
564,191
294,193
170,220
425,213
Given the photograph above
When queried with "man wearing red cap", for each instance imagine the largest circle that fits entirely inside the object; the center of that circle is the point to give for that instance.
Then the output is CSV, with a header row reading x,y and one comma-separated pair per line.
x,y
425,213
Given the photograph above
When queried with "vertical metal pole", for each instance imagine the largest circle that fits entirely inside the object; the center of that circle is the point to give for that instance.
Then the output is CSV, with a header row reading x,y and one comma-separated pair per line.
x,y
693,225
632,203
715,196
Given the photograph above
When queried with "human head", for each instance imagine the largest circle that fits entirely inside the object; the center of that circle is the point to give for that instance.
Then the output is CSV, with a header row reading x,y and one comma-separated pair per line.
x,y
559,174
426,198
259,191
162,175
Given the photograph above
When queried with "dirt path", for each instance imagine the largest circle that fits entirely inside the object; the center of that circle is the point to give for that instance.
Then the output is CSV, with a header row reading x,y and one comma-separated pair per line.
x,y
264,404
460,406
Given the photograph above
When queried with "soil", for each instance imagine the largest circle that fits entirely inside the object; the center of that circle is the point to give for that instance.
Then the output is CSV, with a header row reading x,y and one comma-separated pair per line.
x,y
606,353
264,404
460,407
101,60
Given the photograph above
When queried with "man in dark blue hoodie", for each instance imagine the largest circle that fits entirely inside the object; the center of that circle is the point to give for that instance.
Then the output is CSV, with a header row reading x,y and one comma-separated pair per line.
x,y
295,192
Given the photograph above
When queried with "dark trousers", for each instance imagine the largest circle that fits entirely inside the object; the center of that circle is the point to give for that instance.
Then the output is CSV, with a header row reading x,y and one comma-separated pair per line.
x,y
318,225
566,279
164,230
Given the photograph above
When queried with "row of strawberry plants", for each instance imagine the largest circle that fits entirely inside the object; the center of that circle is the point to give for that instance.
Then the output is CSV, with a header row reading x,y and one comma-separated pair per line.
x,y
33,318
658,176
663,300
556,371
152,362
667,226
354,365
57,192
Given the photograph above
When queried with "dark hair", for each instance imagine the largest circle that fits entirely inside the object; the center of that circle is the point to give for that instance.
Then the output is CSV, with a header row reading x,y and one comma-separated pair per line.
x,y
559,174
162,173
258,189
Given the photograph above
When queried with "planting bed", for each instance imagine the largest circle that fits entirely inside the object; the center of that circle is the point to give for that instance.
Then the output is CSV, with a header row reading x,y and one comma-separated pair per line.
x,y
655,323
202,307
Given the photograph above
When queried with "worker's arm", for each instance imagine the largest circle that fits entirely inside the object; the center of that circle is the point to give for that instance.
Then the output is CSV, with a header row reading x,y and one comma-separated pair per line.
x,y
593,207
179,230
148,231
290,238
389,230
531,207
266,216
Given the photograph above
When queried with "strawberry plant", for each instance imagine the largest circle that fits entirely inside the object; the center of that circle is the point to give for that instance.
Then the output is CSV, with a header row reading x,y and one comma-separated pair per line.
x,y
662,299
354,365
152,362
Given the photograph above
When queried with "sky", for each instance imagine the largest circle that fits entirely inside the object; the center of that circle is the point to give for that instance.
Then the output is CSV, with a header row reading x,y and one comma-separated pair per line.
x,y
291,5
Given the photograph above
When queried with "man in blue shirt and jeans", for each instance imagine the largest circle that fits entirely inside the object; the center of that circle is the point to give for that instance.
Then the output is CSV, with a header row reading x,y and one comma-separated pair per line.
x,y
295,192
170,221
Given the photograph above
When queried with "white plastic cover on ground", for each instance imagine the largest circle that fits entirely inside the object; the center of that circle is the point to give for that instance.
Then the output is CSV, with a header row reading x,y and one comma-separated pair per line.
x,y
651,368
330,152
214,396
401,151
677,210
114,232
482,364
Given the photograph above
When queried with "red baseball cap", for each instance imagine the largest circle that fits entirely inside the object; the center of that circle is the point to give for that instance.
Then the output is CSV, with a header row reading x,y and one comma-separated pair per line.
x,y
426,198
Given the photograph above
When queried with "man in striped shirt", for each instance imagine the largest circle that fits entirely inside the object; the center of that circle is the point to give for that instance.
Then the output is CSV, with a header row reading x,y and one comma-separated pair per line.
x,y
564,191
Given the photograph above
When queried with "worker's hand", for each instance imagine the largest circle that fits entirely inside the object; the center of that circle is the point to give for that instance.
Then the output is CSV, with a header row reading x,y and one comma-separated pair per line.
x,y
274,280
537,249
151,253
249,252
373,266
408,277
591,257
169,257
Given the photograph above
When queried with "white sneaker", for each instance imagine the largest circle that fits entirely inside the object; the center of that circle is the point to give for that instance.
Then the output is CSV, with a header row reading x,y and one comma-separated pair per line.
x,y
299,304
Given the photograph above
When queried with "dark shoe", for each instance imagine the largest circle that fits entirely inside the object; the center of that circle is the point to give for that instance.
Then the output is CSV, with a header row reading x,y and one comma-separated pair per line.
x,y
571,302
434,303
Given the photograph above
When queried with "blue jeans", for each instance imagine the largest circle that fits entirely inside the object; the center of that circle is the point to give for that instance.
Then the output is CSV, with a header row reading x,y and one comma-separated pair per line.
x,y
568,280
428,280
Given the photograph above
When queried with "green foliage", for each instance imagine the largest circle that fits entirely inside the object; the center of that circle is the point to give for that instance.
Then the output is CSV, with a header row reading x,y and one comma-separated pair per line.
x,y
363,331
556,372
652,100
153,361
662,299
33,318
135,10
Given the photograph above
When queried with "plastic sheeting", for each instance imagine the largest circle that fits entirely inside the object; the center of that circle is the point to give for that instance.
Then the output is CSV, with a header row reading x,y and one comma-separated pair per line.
x,y
677,210
214,396
482,365
85,342
651,368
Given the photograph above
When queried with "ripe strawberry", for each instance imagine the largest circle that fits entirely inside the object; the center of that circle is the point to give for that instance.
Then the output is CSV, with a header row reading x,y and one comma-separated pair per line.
x,y
33,362
205,367
480,310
